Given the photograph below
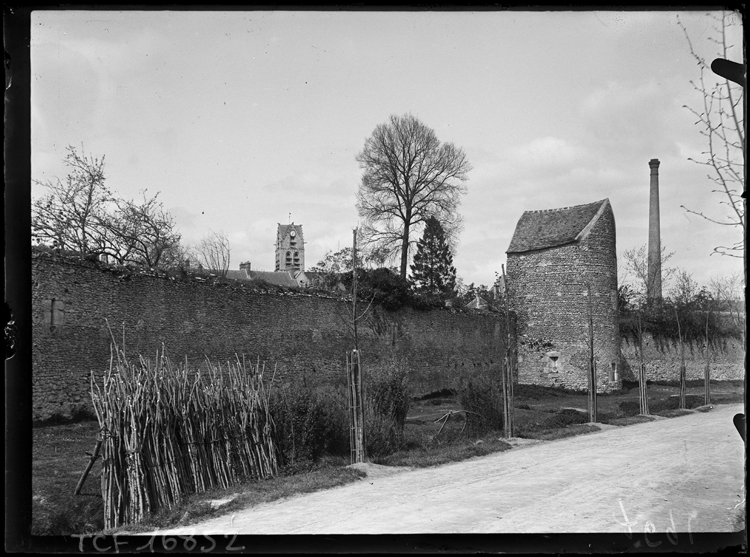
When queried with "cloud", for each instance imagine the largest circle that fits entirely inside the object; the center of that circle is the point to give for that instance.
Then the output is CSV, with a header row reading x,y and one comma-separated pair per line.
x,y
550,152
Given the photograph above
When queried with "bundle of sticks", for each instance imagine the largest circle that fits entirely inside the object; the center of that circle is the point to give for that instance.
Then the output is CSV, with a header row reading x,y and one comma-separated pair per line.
x,y
167,432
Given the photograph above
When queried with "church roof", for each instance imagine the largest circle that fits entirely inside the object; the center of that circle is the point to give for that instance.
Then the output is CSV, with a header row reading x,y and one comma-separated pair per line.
x,y
550,228
284,229
281,278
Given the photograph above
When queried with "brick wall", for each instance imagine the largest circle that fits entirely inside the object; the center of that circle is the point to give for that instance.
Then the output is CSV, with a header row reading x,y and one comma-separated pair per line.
x,y
548,291
299,333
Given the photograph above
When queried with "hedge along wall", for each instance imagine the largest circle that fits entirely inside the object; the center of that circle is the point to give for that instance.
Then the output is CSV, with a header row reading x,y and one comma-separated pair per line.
x,y
305,336
662,357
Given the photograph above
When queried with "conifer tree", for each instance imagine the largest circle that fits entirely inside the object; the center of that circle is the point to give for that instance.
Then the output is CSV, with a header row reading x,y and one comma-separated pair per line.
x,y
432,271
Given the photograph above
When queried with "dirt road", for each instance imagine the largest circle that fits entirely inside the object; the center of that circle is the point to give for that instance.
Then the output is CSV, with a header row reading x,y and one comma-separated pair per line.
x,y
680,474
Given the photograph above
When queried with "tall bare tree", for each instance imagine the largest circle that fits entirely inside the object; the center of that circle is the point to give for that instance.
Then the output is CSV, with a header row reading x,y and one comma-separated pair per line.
x,y
72,215
213,253
408,177
721,119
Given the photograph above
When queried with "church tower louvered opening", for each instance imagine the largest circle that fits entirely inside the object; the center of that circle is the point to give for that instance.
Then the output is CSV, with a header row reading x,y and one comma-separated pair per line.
x,y
290,248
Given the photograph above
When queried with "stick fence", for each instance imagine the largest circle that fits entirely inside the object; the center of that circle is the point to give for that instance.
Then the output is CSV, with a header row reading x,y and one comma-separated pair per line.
x,y
167,432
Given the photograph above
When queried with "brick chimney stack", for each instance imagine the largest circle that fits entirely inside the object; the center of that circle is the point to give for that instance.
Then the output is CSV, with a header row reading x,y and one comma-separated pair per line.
x,y
653,286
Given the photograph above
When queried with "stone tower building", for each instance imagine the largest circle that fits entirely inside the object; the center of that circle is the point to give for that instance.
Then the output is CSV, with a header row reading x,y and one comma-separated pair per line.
x,y
562,271
290,248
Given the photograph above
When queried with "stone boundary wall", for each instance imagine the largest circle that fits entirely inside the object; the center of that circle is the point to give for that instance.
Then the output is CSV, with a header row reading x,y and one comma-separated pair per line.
x,y
305,336
662,358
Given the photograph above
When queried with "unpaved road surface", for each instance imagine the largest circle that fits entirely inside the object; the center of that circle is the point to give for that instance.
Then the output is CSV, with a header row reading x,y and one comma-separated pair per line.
x,y
681,474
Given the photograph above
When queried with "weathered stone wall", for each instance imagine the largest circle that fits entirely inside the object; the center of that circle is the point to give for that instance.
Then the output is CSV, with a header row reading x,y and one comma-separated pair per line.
x,y
662,357
548,291
299,333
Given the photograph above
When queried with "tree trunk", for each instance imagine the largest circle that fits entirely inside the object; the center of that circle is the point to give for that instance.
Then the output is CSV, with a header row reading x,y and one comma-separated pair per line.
x,y
405,250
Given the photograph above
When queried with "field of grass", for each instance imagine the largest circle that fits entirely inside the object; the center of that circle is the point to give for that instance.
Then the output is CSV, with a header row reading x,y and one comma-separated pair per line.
x,y
59,452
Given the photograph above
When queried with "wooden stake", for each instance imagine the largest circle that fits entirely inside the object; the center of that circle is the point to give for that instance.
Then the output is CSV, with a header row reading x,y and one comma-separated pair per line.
x,y
507,368
90,465
707,370
683,386
592,362
642,386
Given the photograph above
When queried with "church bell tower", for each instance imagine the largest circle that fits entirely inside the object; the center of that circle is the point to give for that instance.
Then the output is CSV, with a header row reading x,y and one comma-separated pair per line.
x,y
290,248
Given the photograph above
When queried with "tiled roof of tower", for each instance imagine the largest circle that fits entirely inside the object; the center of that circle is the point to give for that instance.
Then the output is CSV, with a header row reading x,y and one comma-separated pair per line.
x,y
551,228
284,228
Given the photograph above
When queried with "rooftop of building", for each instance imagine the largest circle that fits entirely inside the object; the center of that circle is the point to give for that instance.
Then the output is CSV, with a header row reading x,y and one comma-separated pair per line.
x,y
285,228
550,228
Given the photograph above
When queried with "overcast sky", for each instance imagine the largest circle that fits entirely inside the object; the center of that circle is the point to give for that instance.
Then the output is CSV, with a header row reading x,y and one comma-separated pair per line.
x,y
241,118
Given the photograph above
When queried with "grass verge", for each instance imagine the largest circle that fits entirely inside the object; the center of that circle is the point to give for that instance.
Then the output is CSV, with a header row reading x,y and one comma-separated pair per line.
x,y
436,455
541,413
552,434
329,473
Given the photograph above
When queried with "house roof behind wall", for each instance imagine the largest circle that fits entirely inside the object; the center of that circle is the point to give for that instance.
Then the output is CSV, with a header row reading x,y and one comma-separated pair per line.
x,y
551,228
281,278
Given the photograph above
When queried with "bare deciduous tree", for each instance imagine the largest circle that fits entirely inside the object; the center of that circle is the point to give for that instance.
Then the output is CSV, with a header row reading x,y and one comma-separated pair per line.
x,y
721,120
72,214
81,214
408,177
213,253
633,269
144,231
729,299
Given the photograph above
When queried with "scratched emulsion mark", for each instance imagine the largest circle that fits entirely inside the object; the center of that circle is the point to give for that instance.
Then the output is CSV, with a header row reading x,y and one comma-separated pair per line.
x,y
650,527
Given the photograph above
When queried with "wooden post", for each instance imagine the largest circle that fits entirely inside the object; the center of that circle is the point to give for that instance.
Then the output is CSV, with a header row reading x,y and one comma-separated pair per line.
x,y
683,386
507,370
356,408
354,287
707,370
90,465
642,387
592,362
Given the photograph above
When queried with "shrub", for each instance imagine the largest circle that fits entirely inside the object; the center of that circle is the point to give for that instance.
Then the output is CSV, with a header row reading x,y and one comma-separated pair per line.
x,y
382,286
564,418
382,434
310,423
387,401
673,403
442,393
483,398
630,408
537,392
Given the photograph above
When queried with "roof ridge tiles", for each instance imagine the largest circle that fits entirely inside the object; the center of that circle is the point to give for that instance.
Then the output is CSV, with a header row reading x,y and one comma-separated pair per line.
x,y
564,208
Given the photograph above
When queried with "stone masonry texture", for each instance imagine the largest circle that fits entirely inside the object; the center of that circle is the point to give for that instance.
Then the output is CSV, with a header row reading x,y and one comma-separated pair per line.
x,y
304,336
549,291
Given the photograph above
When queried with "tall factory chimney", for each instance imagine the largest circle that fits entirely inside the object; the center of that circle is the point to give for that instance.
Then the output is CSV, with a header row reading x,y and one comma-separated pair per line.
x,y
653,286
